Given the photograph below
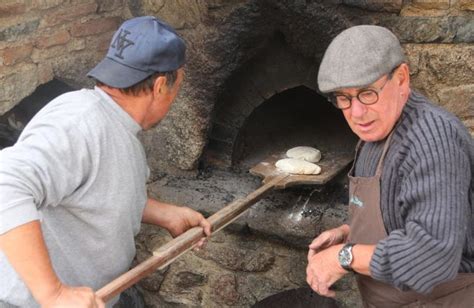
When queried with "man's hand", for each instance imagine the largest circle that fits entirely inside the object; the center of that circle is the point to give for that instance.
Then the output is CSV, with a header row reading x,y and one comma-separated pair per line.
x,y
186,218
25,243
327,239
324,270
175,219
73,297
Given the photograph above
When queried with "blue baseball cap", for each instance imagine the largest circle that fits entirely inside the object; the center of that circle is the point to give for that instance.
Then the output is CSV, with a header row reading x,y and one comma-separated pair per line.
x,y
141,47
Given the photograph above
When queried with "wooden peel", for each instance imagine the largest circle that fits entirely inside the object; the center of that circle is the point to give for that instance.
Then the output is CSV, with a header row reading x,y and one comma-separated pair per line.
x,y
179,245
331,164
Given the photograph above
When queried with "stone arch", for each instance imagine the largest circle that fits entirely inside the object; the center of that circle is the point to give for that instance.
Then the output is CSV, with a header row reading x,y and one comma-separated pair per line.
x,y
276,69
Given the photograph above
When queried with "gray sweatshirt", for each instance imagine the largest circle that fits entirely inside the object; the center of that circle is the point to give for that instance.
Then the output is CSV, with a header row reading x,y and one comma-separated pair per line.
x,y
79,168
426,198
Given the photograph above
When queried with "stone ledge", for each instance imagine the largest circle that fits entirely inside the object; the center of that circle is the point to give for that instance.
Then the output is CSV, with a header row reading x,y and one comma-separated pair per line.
x,y
293,215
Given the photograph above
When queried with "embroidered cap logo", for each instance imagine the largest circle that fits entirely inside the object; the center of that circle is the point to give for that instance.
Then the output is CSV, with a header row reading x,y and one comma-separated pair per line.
x,y
121,42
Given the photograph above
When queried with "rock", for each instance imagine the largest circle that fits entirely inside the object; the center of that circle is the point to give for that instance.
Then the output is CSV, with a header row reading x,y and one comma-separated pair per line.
x,y
177,289
466,5
17,85
463,27
186,280
458,100
266,287
431,4
438,67
376,5
239,259
224,290
296,268
13,32
428,30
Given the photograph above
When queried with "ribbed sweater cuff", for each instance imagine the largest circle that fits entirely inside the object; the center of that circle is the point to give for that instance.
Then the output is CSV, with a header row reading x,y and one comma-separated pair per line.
x,y
380,264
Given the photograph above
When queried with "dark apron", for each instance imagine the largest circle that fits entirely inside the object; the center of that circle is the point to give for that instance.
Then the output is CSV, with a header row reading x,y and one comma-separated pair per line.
x,y
367,227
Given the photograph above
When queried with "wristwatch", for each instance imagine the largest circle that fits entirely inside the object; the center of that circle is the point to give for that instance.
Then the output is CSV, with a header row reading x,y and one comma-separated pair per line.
x,y
345,257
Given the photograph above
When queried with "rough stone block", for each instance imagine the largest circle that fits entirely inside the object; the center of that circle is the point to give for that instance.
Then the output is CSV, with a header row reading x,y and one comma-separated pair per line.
x,y
12,7
101,41
432,4
469,123
110,5
46,4
63,15
458,100
224,290
13,55
451,66
76,44
40,55
17,86
393,6
236,259
466,5
186,280
73,68
180,14
440,66
45,73
416,29
95,26
14,32
463,28
53,39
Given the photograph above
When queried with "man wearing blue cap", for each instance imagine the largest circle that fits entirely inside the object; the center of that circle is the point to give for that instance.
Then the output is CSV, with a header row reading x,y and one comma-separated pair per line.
x,y
410,237
73,188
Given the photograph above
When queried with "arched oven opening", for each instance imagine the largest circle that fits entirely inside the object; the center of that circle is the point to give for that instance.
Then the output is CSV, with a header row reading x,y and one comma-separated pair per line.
x,y
268,106
13,122
295,117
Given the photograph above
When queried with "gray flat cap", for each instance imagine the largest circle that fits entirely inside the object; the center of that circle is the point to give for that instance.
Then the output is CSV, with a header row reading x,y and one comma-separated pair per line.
x,y
358,56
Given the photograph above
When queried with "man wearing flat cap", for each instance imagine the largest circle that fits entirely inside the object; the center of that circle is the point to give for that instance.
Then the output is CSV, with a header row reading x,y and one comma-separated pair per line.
x,y
73,188
410,236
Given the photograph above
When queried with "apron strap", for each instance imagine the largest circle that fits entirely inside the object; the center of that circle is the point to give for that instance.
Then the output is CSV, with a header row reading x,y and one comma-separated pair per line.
x,y
384,152
356,154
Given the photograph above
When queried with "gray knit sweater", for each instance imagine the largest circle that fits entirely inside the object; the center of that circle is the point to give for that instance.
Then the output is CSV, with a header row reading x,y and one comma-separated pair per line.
x,y
80,170
426,198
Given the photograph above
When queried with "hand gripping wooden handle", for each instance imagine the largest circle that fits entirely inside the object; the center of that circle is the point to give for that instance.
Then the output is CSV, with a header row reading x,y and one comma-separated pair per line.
x,y
179,245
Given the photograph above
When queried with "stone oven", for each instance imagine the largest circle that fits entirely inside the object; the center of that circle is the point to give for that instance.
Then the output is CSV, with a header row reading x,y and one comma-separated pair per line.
x,y
272,104
250,91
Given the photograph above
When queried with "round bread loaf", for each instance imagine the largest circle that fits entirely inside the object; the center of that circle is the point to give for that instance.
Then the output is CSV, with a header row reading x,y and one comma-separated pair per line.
x,y
304,153
296,166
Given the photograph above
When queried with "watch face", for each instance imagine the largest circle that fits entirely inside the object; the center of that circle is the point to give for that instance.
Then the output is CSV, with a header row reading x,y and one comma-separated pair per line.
x,y
345,257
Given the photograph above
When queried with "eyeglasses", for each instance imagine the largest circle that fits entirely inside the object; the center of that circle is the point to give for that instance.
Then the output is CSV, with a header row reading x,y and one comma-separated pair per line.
x,y
367,96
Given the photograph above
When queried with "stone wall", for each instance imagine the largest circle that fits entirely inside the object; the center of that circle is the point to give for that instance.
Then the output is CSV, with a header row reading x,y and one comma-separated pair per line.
x,y
42,39
226,36
234,270
63,39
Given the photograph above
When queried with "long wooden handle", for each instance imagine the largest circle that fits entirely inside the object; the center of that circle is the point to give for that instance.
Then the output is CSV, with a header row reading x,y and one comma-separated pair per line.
x,y
179,245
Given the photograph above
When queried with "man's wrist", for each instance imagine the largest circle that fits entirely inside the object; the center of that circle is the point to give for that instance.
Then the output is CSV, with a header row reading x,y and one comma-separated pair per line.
x,y
47,292
345,257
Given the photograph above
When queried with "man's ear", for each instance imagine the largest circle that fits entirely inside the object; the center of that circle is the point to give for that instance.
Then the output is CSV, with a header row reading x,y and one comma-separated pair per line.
x,y
403,75
159,87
